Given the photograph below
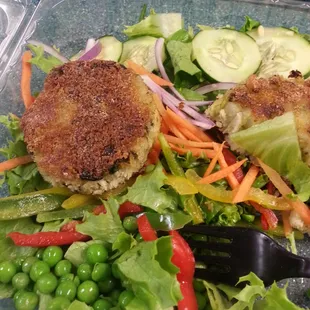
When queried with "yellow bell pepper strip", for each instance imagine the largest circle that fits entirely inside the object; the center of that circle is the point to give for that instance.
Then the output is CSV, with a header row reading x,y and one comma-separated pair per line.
x,y
189,202
181,185
79,200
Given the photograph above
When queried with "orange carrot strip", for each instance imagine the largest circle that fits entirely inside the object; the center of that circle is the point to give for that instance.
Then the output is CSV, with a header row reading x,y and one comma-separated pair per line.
x,y
214,160
186,124
189,135
160,107
246,184
142,71
26,79
153,157
182,142
164,128
222,173
231,179
195,151
14,162
286,223
175,131
300,207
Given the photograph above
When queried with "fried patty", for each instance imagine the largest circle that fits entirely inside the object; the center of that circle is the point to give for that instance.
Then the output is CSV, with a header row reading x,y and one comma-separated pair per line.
x,y
261,99
92,126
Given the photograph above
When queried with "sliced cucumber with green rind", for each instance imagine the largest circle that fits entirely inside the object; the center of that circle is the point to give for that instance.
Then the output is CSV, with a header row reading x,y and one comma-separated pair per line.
x,y
111,49
226,55
282,50
141,50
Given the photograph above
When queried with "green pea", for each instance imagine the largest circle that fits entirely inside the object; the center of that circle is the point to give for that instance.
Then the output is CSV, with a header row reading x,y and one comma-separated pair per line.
x,y
115,294
26,301
125,298
130,223
62,268
66,277
19,263
27,264
198,286
102,304
18,294
46,283
39,254
66,289
59,303
107,285
52,255
20,281
201,300
7,271
139,237
101,272
88,292
84,272
37,269
115,271
96,253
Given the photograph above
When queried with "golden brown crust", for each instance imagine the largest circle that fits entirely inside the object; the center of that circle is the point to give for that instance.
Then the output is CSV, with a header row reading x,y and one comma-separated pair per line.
x,y
86,120
268,98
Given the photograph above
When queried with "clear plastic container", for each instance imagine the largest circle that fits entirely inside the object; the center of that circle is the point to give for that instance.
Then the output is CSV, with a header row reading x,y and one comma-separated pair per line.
x,y
68,24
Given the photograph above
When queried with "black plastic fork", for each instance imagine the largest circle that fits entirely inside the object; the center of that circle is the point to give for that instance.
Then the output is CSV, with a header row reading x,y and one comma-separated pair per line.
x,y
244,250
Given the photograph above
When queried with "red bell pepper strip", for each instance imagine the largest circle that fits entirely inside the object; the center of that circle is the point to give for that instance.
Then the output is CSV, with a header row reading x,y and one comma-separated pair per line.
x,y
269,215
231,159
99,209
128,208
145,229
264,222
70,226
44,239
184,259
271,188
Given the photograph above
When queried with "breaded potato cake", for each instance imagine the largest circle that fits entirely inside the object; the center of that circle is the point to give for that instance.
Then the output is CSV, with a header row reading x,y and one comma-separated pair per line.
x,y
92,126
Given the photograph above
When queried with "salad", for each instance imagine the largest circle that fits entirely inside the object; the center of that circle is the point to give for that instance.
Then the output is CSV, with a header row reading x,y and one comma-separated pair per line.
x,y
130,141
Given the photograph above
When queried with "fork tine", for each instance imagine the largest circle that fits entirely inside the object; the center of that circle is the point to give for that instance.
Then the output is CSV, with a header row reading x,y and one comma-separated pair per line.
x,y
212,276
214,231
215,260
214,246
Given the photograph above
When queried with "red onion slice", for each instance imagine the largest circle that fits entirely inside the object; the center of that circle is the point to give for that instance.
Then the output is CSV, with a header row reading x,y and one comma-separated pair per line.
x,y
48,49
198,103
212,87
92,53
159,45
89,44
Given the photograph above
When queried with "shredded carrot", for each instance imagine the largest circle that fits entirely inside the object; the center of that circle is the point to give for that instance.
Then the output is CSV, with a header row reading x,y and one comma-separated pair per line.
x,y
189,135
185,142
164,128
142,71
246,184
153,157
195,151
300,207
215,158
26,79
222,173
175,130
286,223
186,124
231,179
14,162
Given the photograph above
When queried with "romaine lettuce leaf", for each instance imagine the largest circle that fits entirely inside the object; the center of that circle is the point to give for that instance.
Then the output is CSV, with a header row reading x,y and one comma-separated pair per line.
x,y
156,25
147,191
181,35
148,270
249,24
275,142
44,63
105,227
190,94
123,243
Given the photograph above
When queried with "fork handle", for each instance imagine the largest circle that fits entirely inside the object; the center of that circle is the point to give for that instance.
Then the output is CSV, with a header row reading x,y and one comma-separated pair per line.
x,y
300,267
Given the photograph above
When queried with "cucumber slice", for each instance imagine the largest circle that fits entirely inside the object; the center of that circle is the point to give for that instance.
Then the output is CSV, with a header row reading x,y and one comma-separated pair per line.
x,y
111,48
282,50
226,55
141,50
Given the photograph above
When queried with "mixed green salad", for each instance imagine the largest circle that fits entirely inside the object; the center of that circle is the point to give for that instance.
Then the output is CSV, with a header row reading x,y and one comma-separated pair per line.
x,y
121,250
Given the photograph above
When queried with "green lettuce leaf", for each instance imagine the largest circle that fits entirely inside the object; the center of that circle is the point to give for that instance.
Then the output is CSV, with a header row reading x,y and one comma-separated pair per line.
x,y
180,54
148,270
11,122
249,24
275,142
147,191
190,94
124,242
105,227
44,301
156,25
181,35
44,63
8,250
55,225
78,305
